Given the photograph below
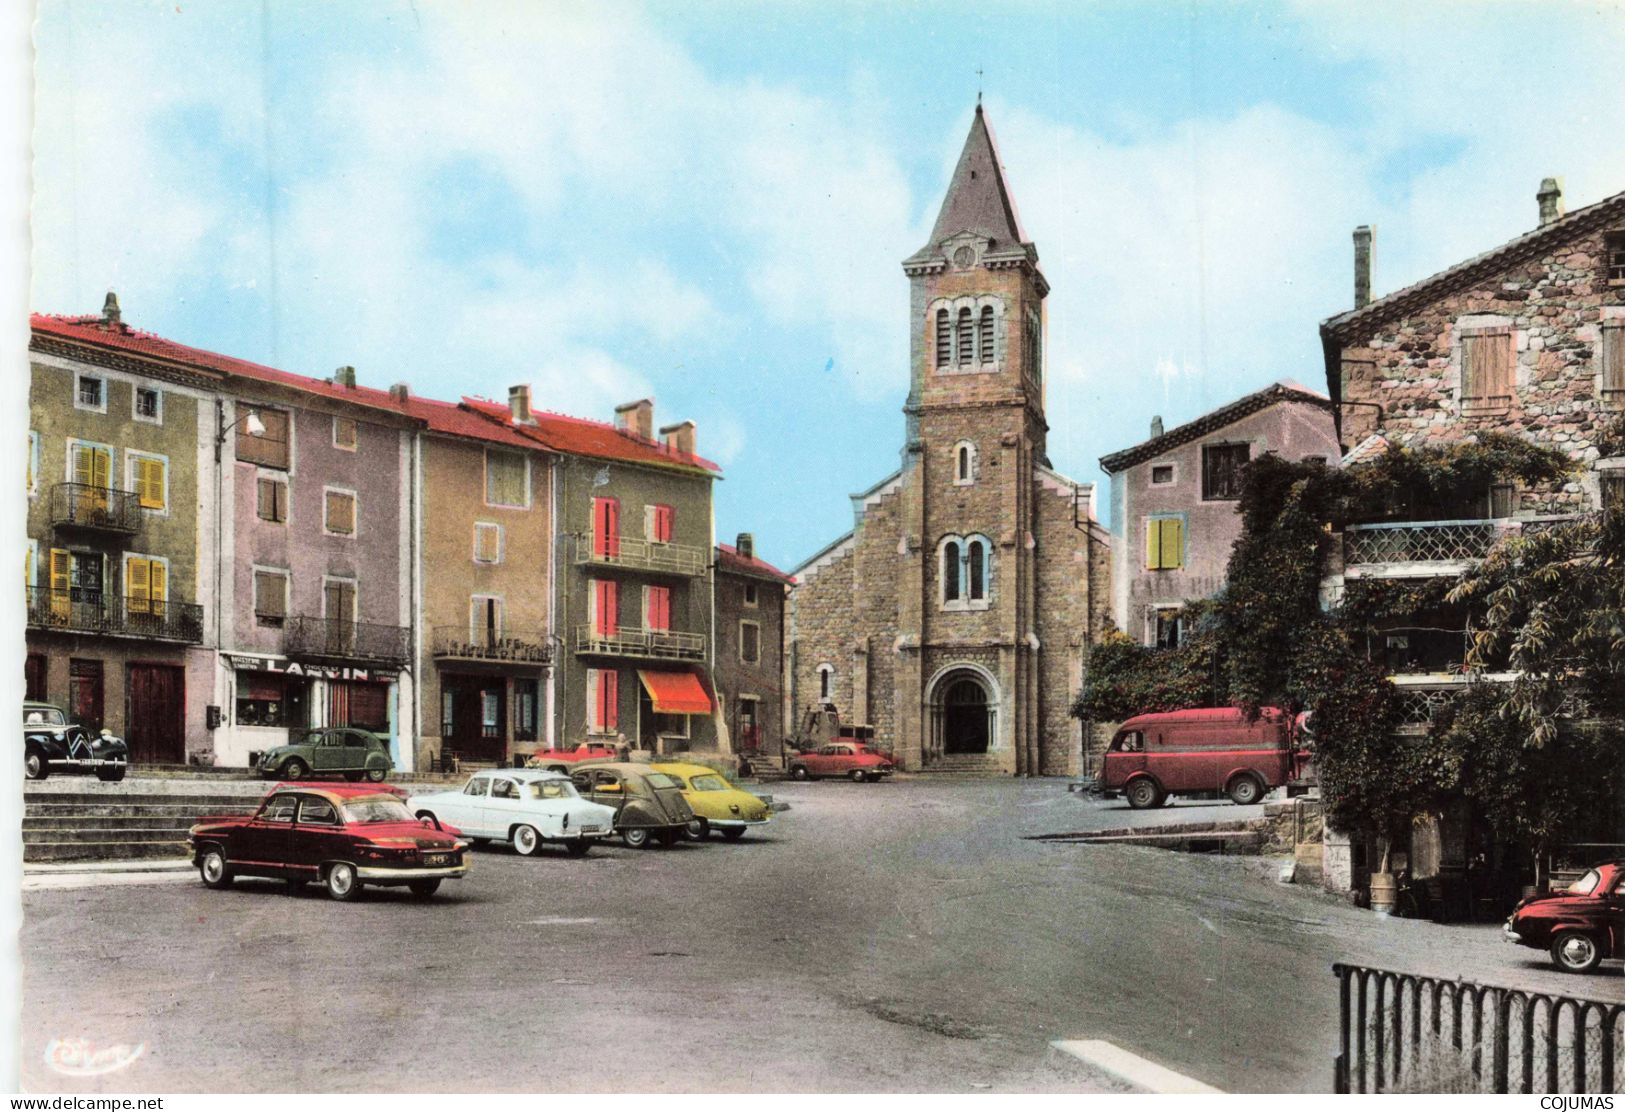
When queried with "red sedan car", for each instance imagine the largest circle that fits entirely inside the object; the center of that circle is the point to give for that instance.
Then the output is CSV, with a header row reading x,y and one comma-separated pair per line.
x,y
851,759
560,760
1581,926
344,837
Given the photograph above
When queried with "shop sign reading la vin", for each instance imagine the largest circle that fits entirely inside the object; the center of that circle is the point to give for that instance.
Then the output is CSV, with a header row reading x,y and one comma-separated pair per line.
x,y
294,668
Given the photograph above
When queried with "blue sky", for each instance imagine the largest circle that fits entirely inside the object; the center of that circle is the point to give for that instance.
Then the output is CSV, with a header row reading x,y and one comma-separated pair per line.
x,y
709,202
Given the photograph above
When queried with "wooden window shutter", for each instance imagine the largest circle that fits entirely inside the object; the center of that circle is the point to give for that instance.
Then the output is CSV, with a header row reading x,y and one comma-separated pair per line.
x,y
985,334
1486,368
944,339
1153,545
158,579
1613,356
967,337
340,512
149,483
1173,543
137,584
270,594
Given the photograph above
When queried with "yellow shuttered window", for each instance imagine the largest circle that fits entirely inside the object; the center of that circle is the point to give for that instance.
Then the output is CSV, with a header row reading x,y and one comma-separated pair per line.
x,y
61,573
138,584
160,586
1164,543
149,483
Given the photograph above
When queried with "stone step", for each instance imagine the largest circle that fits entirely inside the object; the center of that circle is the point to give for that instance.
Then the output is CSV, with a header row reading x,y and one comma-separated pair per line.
x,y
113,850
135,810
42,826
106,833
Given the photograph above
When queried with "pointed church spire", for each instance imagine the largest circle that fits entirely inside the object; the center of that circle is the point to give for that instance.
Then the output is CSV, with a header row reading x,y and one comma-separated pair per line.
x,y
978,200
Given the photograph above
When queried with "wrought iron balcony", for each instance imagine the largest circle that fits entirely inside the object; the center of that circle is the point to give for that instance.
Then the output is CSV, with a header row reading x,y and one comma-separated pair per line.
x,y
648,644
1422,542
82,506
77,610
336,639
643,555
510,646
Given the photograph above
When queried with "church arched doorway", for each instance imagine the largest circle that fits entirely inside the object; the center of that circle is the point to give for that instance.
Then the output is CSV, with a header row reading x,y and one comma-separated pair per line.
x,y
963,708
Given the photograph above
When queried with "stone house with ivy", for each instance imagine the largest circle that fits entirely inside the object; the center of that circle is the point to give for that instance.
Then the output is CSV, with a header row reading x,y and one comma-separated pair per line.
x,y
1527,338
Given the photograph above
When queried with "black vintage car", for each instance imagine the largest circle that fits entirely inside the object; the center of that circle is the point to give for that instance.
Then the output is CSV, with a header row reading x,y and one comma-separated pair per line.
x,y
53,744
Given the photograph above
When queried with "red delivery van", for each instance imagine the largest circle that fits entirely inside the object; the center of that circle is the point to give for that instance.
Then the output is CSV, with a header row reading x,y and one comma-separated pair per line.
x,y
1202,753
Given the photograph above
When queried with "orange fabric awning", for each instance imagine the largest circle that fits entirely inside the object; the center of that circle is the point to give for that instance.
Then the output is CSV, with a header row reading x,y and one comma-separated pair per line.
x,y
676,692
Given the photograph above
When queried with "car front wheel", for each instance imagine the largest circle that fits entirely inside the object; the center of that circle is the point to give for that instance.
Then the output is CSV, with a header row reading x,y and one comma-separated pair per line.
x,y
1143,793
342,882
376,775
858,775
635,837
1575,952
698,829
35,767
213,870
295,770
798,772
526,841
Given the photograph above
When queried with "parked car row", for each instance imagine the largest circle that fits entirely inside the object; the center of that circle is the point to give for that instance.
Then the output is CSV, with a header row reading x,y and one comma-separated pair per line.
x,y
349,836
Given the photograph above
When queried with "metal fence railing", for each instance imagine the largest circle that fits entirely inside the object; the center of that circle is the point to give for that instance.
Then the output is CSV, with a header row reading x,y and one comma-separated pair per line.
x,y
93,507
333,638
78,610
1420,541
1403,1032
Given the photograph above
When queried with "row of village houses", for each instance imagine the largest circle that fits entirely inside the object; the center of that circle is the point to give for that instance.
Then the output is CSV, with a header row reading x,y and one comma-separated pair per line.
x,y
221,553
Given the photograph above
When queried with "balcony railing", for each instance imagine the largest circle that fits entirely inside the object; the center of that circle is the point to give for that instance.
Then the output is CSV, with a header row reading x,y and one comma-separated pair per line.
x,y
650,644
643,555
76,610
335,639
1422,542
82,506
510,646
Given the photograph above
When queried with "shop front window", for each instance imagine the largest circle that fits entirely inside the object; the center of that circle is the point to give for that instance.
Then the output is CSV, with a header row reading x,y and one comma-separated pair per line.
x,y
524,710
270,700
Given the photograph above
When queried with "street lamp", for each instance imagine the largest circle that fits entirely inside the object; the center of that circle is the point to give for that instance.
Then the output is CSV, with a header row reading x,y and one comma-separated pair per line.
x,y
249,420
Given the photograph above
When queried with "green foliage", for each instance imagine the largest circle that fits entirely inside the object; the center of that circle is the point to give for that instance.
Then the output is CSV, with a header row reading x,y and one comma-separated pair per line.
x,y
1371,604
1541,794
1126,678
1439,482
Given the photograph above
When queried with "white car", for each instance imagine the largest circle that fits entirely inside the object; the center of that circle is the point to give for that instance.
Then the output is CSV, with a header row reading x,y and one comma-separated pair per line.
x,y
524,806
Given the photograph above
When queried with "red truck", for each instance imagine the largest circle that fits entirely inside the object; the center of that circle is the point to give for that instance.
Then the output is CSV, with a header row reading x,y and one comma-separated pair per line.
x,y
560,760
1203,753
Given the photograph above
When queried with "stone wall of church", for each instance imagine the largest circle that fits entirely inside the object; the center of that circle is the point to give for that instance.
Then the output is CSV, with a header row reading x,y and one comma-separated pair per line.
x,y
1074,602
872,616
820,631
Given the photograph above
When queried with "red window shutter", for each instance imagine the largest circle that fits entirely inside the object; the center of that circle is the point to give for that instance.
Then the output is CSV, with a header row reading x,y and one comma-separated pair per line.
x,y
607,602
606,528
659,615
663,523
609,690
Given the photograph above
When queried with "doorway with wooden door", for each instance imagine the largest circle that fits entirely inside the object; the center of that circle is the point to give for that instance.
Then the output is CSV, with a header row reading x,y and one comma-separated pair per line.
x,y
155,713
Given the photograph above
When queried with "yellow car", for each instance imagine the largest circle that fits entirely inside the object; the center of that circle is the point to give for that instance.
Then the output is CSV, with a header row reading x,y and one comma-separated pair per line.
x,y
717,804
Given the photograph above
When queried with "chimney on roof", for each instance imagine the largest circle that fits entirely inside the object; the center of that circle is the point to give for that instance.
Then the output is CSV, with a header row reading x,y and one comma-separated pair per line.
x,y
400,393
679,437
745,545
345,376
1156,427
1550,199
637,418
519,404
1363,235
110,310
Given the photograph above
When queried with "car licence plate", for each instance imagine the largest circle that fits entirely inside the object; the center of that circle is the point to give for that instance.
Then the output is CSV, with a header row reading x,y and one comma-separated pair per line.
x,y
437,859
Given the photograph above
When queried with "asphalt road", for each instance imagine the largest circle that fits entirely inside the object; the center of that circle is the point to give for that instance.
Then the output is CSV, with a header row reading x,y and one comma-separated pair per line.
x,y
886,937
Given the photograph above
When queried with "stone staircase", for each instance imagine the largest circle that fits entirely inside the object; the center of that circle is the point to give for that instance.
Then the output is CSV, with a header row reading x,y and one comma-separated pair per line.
x,y
967,766
88,825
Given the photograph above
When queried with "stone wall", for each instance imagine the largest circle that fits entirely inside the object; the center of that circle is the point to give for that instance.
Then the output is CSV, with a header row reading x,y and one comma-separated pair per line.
x,y
1555,304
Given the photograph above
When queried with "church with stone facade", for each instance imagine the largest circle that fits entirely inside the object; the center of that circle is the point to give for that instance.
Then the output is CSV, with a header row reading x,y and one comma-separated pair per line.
x,y
956,616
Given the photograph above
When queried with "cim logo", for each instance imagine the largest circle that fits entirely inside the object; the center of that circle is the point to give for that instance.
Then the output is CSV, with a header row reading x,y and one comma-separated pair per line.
x,y
80,1058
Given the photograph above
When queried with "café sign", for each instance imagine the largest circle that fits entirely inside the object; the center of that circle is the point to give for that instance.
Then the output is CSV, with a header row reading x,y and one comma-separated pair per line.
x,y
295,668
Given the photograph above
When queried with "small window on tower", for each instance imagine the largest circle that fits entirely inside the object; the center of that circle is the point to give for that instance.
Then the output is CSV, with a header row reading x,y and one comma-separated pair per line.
x,y
966,337
984,334
945,339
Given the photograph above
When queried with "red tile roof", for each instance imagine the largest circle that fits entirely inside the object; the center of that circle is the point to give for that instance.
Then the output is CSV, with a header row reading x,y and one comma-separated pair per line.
x,y
445,417
730,560
580,437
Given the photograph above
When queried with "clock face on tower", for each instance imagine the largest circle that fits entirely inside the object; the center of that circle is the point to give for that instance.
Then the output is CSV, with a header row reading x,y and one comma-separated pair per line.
x,y
964,257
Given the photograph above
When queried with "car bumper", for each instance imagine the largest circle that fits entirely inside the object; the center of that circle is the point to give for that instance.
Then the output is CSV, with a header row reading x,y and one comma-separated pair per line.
x,y
376,874
1511,935
723,824
88,762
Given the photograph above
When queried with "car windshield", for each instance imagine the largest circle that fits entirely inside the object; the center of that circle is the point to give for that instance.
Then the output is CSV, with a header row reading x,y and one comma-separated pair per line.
x,y
381,808
44,716
708,784
660,780
1586,884
551,789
